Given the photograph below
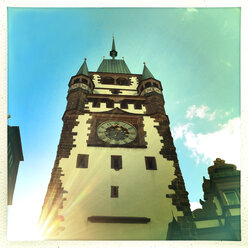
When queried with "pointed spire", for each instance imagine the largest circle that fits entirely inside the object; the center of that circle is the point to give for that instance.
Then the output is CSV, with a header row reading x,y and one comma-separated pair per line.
x,y
146,73
113,52
83,69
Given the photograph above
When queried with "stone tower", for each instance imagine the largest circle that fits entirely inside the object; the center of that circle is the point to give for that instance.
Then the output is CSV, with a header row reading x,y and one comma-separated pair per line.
x,y
116,175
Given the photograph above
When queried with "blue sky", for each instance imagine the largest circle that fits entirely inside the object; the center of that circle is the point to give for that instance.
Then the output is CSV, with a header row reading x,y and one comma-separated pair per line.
x,y
195,53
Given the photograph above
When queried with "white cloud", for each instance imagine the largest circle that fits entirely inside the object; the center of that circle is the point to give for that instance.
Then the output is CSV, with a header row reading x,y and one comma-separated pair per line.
x,y
195,205
179,131
201,112
224,143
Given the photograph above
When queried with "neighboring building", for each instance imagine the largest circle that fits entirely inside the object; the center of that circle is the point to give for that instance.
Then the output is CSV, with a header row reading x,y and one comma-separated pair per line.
x,y
116,174
219,219
14,157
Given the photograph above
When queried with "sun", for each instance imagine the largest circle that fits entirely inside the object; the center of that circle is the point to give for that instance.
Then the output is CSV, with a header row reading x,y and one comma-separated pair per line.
x,y
22,223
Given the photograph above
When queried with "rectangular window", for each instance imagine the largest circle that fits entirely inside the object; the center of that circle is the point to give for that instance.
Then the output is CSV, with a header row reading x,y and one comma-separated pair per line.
x,y
116,162
151,163
149,84
110,104
96,104
231,197
138,106
124,105
82,160
114,191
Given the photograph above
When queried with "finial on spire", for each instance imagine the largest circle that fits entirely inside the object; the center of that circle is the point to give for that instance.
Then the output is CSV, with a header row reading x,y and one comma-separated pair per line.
x,y
83,69
146,73
123,58
113,52
103,57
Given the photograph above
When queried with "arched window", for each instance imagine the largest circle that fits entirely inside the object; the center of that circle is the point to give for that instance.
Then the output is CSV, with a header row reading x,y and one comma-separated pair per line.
x,y
122,81
107,80
149,84
76,81
84,81
155,85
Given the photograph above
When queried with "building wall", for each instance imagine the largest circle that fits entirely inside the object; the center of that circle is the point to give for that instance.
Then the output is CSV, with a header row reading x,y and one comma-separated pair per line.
x,y
142,193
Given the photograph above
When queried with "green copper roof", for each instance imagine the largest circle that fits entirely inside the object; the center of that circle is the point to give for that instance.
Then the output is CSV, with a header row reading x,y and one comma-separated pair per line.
x,y
83,69
146,73
113,66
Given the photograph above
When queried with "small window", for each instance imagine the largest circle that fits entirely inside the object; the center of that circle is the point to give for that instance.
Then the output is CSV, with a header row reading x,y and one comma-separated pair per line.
x,y
122,81
138,105
96,104
124,105
114,191
151,163
84,81
76,81
155,85
149,84
116,162
107,80
82,161
115,92
231,197
110,104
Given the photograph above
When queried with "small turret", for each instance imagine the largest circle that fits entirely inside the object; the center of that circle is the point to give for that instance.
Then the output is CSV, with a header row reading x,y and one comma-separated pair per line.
x,y
80,86
148,84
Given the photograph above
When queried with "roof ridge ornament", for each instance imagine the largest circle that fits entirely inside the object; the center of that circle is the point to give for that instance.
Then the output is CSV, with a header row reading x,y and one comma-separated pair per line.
x,y
113,52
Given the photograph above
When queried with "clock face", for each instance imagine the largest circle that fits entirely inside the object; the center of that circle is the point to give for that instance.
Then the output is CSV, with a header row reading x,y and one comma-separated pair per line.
x,y
116,132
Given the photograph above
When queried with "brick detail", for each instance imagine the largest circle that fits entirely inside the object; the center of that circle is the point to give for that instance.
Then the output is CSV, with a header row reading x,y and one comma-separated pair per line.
x,y
180,197
154,104
55,194
76,100
155,108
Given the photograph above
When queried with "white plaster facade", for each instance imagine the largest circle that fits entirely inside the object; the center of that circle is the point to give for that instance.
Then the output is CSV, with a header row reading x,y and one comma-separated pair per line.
x,y
142,193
